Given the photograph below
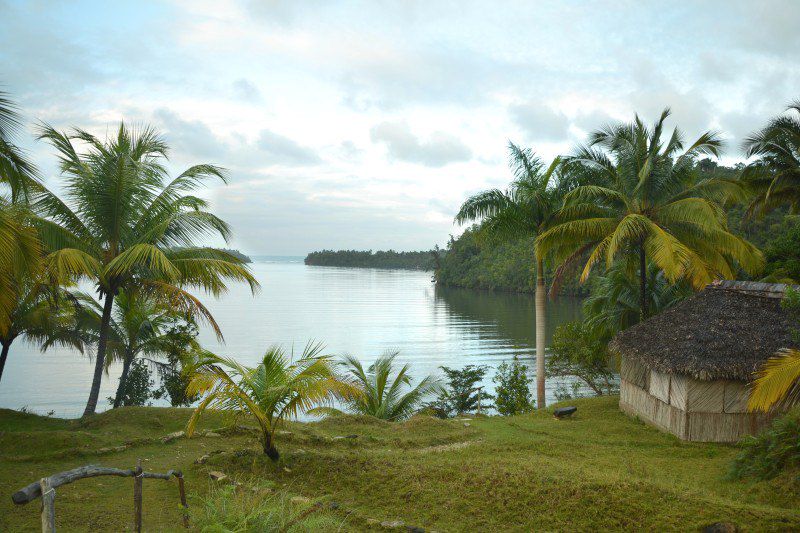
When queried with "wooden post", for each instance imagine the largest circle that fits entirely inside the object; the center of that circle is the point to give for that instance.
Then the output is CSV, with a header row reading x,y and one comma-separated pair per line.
x,y
48,506
137,497
179,475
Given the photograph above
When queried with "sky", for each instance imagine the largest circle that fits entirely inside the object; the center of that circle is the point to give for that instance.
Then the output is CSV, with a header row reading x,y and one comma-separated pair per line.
x,y
364,125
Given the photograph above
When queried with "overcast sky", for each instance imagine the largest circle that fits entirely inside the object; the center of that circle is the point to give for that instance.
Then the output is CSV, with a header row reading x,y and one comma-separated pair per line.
x,y
365,124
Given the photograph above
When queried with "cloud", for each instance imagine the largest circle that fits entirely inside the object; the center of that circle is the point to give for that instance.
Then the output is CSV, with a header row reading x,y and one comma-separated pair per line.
x,y
246,90
190,138
539,121
283,150
438,150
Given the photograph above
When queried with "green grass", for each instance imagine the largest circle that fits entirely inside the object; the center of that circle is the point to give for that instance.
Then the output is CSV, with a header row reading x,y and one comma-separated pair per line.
x,y
601,470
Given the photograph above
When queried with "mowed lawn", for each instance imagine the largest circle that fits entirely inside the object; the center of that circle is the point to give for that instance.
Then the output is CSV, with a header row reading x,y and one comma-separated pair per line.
x,y
600,470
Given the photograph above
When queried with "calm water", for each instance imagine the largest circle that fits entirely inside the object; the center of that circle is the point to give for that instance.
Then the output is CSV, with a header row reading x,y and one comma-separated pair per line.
x,y
356,311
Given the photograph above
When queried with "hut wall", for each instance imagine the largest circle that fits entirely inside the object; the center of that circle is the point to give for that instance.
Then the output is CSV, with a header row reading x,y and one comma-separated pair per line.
x,y
694,410
678,388
705,396
736,396
659,385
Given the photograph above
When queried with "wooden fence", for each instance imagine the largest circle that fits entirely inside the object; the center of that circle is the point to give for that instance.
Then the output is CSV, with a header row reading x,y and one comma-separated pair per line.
x,y
46,487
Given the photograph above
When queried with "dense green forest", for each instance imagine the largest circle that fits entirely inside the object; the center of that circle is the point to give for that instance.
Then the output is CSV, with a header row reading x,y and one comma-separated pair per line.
x,y
475,260
425,260
238,255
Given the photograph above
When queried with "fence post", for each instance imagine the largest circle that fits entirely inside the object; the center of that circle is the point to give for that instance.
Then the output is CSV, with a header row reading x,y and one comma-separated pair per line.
x,y
137,496
183,499
48,506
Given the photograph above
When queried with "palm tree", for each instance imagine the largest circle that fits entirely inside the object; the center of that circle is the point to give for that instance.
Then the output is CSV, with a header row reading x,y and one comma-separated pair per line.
x,y
775,174
121,226
384,394
43,313
648,201
16,171
613,303
275,390
527,208
140,326
20,250
778,382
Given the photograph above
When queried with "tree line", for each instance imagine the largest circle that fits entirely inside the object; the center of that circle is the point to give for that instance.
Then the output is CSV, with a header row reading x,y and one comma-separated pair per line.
x,y
424,260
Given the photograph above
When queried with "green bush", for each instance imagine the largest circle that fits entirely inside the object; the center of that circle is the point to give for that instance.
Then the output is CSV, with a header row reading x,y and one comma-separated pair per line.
x,y
512,390
774,450
461,395
577,351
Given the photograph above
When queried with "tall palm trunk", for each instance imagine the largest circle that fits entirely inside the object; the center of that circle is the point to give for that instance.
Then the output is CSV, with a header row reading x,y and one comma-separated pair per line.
x,y
541,299
99,362
126,366
3,357
643,311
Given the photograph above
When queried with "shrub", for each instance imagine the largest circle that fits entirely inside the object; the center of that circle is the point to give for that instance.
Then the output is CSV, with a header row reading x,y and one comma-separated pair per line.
x,y
576,351
137,389
461,394
775,449
511,386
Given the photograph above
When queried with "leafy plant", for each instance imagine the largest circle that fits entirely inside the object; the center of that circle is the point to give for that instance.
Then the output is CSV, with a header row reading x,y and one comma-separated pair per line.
x,y
578,351
279,388
775,449
461,395
137,389
385,394
513,396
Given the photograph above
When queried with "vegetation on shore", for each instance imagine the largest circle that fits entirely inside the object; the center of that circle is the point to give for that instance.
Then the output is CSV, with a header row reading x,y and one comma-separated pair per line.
x,y
424,260
600,470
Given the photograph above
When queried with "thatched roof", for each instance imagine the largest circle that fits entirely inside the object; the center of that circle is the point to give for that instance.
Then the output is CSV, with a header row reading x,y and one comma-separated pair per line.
x,y
723,332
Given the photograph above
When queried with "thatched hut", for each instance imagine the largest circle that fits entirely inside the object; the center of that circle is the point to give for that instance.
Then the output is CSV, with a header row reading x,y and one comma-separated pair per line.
x,y
687,370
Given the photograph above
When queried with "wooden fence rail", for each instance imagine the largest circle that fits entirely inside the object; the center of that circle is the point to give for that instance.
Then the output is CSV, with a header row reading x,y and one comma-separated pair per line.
x,y
45,488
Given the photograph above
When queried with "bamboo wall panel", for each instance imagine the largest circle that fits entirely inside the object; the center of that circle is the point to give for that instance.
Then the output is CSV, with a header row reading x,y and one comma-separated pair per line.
x,y
659,385
634,372
736,396
677,391
705,396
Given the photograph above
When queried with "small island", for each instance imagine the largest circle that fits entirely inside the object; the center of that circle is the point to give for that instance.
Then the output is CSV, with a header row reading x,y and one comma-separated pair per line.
x,y
424,260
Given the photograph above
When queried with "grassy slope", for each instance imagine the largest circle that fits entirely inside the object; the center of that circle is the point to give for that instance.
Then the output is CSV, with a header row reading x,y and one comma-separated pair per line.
x,y
602,470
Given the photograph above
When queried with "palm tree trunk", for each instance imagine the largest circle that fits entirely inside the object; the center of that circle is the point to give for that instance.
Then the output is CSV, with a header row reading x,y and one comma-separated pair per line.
x,y
643,311
3,357
99,362
541,298
126,366
269,449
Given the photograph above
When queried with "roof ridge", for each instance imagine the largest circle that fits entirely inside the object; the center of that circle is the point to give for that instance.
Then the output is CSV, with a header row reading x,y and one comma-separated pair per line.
x,y
755,288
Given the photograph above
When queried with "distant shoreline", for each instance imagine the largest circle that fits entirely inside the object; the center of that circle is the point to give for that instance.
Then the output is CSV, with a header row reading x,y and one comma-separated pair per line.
x,y
388,260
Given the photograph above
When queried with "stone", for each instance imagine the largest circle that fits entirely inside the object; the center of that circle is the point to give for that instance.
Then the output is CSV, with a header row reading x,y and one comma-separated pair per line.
x,y
287,469
333,505
211,434
564,412
300,499
201,460
172,436
341,437
217,476
393,524
466,424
